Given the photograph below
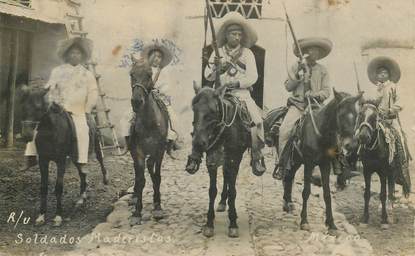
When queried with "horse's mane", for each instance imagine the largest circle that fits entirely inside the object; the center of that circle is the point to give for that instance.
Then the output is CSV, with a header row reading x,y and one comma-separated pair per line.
x,y
201,93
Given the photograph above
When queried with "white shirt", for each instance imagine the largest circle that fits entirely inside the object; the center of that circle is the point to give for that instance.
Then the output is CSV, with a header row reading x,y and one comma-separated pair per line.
x,y
73,87
246,77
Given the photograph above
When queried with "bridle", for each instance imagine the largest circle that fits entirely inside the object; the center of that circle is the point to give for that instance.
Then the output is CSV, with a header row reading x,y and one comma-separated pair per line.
x,y
221,123
372,129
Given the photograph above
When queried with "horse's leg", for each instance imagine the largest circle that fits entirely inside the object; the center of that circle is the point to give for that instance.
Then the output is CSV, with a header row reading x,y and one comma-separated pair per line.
x,y
391,194
100,158
157,211
384,218
83,186
44,180
208,230
57,221
139,183
287,182
231,167
306,194
368,175
325,178
223,196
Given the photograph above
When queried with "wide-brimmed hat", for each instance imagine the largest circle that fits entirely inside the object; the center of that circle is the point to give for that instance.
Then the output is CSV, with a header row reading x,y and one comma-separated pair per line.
x,y
84,43
167,54
383,62
324,44
249,37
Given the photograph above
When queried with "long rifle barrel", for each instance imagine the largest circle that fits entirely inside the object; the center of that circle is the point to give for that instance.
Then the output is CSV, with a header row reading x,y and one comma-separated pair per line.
x,y
357,78
214,43
297,45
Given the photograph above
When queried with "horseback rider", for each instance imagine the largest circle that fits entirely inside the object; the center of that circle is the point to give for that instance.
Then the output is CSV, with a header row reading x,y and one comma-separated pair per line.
x,y
385,74
73,87
156,57
238,73
317,89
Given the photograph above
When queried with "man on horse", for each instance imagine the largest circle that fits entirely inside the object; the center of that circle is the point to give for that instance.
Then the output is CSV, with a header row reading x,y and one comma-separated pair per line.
x,y
154,58
305,80
238,72
385,74
73,87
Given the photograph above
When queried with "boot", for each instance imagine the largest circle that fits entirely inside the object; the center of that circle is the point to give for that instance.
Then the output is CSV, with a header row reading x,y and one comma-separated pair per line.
x,y
337,166
30,161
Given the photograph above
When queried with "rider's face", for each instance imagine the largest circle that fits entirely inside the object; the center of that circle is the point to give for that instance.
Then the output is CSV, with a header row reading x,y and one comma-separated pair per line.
x,y
234,38
74,56
155,58
382,75
313,53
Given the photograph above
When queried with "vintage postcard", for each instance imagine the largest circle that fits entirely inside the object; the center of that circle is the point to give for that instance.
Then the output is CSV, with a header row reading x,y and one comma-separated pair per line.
x,y
207,127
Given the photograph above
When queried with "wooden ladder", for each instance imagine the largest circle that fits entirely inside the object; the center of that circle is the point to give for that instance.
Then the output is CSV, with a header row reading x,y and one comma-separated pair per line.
x,y
75,28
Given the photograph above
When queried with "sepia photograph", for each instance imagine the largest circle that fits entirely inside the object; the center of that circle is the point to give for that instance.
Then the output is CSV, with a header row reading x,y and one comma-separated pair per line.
x,y
207,127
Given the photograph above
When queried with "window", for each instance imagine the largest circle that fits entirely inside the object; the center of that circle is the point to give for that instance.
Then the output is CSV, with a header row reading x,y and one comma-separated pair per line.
x,y
250,9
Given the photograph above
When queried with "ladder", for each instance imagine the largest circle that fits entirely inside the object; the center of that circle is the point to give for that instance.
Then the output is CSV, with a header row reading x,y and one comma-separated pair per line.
x,y
75,28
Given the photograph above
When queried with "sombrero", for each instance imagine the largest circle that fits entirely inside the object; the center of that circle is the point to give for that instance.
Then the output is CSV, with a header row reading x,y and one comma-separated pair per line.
x,y
383,62
167,55
323,43
249,37
84,43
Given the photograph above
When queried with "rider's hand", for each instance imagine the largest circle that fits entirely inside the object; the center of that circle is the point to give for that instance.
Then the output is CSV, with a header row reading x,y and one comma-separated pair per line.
x,y
233,85
311,94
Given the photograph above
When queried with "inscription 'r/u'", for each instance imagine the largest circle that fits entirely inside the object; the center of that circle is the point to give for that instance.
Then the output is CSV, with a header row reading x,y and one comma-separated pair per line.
x,y
12,219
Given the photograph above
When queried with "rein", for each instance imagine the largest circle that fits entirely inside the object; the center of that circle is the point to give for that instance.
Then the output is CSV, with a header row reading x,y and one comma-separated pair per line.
x,y
316,130
222,124
372,130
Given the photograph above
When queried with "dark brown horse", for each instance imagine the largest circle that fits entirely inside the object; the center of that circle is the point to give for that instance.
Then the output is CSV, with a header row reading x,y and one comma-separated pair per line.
x,y
336,123
374,153
54,142
217,129
148,137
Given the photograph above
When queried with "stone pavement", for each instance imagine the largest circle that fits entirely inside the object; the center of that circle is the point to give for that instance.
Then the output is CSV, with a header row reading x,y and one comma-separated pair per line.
x,y
264,228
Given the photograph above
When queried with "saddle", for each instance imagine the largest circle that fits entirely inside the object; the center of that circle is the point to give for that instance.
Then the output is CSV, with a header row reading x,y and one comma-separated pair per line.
x,y
240,109
272,124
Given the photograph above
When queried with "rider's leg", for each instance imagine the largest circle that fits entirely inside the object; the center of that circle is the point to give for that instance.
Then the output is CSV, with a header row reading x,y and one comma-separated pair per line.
x,y
258,164
173,135
287,125
30,154
82,137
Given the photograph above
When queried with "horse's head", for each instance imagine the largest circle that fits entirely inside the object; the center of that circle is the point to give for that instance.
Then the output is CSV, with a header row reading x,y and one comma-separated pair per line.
x,y
206,107
367,123
346,119
34,107
141,83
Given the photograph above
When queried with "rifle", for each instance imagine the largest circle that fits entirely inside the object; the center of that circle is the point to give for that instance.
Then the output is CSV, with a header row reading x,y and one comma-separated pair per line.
x,y
214,45
357,78
297,46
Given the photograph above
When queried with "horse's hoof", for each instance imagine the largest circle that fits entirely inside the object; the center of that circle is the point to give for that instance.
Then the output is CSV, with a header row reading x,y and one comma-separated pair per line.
x,y
233,232
57,221
221,207
208,231
305,227
135,221
158,214
288,207
384,226
40,220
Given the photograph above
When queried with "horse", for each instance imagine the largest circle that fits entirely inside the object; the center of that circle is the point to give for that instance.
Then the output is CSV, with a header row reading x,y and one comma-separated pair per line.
x,y
54,142
322,133
148,138
219,131
374,153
